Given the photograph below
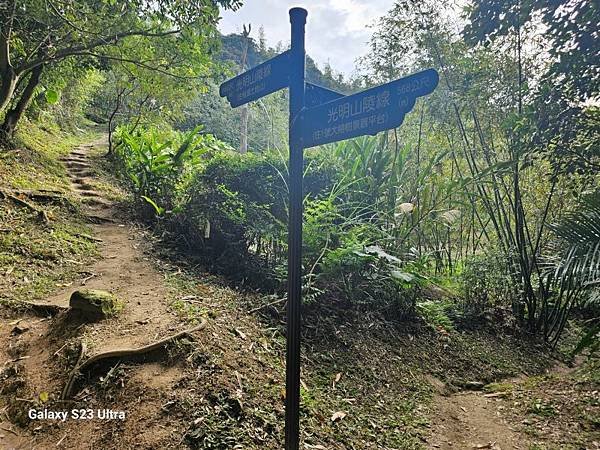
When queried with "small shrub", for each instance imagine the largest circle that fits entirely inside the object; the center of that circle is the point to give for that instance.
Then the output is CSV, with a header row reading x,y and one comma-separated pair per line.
x,y
435,314
236,213
486,283
541,408
590,341
368,274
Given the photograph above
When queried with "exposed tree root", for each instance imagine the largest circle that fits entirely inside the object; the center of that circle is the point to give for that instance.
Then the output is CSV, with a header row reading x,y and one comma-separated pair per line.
x,y
128,353
40,195
66,392
19,201
38,309
88,237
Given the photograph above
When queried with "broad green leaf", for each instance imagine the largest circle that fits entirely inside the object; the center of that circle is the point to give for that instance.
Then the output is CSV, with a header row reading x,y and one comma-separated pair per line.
x,y
159,211
404,276
52,96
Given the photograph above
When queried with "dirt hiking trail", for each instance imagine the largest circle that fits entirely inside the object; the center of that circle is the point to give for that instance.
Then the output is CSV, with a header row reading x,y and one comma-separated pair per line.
x,y
468,420
545,411
122,268
38,348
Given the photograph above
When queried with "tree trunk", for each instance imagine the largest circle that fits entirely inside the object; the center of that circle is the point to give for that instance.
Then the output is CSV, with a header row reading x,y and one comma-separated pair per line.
x,y
111,129
8,76
14,115
244,109
244,129
111,119
7,89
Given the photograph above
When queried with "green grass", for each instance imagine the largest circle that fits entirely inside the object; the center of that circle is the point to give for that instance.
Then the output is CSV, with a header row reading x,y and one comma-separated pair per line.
x,y
182,292
34,164
435,314
38,256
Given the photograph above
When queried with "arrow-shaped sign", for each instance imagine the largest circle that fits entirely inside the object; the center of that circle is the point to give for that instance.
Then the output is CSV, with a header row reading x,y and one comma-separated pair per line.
x,y
367,112
257,82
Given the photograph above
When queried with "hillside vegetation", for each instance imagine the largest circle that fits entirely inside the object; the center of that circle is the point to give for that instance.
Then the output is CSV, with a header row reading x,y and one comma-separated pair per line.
x,y
451,266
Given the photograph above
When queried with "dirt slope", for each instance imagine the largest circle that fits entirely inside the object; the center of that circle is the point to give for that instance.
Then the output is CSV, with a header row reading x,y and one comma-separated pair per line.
x,y
216,390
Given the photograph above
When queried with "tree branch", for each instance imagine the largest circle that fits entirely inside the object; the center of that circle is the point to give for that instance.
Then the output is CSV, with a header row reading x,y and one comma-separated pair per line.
x,y
139,112
68,22
5,34
37,47
84,48
137,63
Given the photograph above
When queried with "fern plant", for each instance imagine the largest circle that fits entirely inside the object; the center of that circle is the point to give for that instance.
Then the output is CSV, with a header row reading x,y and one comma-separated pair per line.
x,y
580,230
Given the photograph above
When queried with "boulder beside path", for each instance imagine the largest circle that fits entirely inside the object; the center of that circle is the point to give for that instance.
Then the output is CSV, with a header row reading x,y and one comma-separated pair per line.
x,y
95,304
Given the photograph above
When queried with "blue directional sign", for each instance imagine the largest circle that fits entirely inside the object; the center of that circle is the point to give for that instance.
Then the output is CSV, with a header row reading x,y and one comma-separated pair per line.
x,y
315,95
367,112
262,80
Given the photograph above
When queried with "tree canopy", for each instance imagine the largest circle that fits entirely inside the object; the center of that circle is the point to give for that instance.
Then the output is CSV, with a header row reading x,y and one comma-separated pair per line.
x,y
35,34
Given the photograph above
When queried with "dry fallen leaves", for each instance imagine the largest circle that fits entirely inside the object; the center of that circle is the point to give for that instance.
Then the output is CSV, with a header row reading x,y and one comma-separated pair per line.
x,y
338,415
337,378
240,333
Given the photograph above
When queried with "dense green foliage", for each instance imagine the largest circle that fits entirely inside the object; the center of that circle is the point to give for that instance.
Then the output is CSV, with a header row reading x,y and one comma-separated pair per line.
x,y
233,213
575,276
513,121
168,37
463,197
155,162
486,283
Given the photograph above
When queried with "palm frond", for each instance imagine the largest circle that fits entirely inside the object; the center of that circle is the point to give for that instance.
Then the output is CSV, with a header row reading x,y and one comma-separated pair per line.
x,y
580,230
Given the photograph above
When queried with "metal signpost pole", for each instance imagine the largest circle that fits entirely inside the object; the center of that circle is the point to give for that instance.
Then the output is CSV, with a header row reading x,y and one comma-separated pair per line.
x,y
296,86
317,116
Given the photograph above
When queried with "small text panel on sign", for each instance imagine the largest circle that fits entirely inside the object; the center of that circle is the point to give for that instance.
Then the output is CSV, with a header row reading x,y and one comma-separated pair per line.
x,y
255,83
368,112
